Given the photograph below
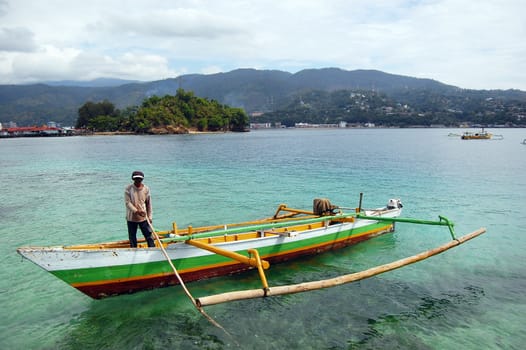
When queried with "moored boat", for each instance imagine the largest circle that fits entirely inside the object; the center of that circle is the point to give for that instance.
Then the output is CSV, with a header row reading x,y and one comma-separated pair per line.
x,y
481,135
106,269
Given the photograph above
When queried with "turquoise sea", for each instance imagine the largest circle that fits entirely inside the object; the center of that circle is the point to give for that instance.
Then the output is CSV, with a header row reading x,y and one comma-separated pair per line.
x,y
57,191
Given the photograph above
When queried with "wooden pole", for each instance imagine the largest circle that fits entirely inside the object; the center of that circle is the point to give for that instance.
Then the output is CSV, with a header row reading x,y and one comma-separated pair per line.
x,y
332,282
360,203
181,282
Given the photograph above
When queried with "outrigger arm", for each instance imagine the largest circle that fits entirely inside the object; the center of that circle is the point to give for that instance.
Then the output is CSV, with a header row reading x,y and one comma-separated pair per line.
x,y
230,254
254,259
442,222
332,282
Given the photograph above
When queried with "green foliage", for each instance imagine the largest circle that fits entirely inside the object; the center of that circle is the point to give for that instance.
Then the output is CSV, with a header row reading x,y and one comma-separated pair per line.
x,y
273,92
182,111
97,116
104,123
238,119
410,108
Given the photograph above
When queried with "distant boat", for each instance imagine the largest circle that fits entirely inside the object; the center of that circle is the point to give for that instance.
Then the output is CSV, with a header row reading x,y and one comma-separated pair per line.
x,y
482,135
524,142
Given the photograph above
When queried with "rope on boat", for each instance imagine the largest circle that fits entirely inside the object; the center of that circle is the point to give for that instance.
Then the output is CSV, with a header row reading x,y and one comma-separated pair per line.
x,y
332,282
187,292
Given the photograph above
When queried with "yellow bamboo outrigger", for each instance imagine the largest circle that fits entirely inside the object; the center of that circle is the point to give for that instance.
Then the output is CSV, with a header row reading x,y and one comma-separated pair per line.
x,y
309,286
194,237
332,282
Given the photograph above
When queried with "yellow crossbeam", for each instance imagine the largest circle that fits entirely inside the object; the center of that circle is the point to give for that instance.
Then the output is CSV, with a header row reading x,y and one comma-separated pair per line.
x,y
229,254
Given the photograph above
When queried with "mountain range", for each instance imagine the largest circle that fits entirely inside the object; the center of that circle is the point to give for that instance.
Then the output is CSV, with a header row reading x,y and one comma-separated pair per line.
x,y
251,89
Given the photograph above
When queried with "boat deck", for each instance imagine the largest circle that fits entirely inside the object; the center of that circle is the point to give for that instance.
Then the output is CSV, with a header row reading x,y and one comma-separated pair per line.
x,y
250,233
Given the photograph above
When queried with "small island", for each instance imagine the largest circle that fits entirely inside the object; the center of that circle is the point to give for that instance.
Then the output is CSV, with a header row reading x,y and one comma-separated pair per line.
x,y
181,113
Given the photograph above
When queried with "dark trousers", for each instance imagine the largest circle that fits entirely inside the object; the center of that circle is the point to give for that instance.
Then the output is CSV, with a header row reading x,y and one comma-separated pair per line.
x,y
146,232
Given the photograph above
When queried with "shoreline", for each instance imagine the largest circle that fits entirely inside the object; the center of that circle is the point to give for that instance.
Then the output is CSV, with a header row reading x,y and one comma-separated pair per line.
x,y
190,132
195,132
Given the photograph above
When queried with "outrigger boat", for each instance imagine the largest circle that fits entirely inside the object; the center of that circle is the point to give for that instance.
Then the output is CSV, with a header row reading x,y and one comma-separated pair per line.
x,y
109,269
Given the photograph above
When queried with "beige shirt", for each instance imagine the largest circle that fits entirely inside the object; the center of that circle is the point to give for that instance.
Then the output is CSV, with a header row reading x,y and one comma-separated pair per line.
x,y
137,199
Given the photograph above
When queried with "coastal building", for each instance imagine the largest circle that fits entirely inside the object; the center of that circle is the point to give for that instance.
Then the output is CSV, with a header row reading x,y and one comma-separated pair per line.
x,y
34,131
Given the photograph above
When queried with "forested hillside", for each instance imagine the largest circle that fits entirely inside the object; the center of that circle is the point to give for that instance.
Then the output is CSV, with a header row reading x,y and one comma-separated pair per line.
x,y
403,109
274,93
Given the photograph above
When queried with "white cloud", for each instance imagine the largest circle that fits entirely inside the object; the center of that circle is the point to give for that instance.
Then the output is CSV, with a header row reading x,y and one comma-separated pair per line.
x,y
16,39
210,70
463,43
55,64
46,64
189,23
3,7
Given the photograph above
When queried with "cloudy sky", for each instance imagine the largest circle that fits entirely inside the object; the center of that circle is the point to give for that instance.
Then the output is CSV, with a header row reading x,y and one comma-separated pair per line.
x,y
466,43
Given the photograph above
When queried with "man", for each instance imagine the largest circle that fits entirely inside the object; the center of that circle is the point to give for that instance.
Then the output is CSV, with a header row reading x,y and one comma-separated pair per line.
x,y
138,209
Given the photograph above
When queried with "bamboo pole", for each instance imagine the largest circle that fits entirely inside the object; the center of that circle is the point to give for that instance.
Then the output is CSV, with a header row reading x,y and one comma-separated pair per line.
x,y
281,218
442,222
332,282
260,268
181,282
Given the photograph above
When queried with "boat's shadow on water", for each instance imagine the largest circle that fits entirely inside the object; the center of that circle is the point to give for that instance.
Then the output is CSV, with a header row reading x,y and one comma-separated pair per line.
x,y
375,313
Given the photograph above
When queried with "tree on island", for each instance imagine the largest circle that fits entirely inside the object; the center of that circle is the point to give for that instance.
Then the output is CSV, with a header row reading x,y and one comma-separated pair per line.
x,y
168,114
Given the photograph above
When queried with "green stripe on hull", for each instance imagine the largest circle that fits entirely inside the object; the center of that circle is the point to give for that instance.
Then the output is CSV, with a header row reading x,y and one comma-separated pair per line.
x,y
135,271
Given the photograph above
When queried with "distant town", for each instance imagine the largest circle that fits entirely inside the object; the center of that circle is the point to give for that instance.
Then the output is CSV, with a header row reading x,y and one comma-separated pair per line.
x,y
10,130
50,129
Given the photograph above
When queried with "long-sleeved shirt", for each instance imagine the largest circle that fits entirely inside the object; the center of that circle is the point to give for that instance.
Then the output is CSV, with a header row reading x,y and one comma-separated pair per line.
x,y
137,199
